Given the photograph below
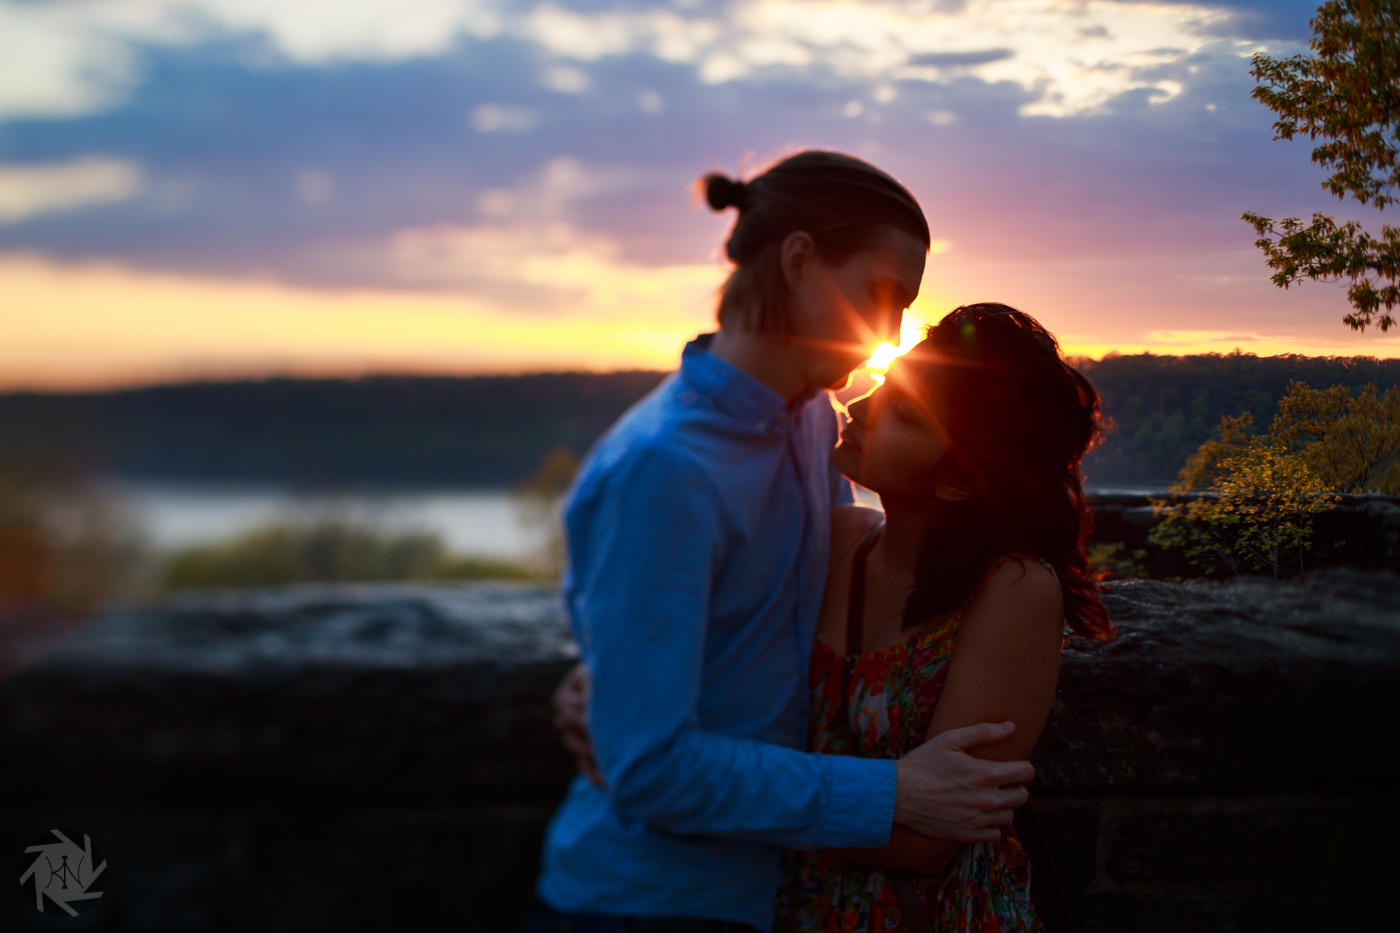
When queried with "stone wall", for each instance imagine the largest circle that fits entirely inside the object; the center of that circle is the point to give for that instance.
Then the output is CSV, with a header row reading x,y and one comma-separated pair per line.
x,y
380,758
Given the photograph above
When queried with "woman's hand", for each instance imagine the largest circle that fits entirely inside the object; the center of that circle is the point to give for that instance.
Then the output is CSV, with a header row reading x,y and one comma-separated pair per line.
x,y
570,703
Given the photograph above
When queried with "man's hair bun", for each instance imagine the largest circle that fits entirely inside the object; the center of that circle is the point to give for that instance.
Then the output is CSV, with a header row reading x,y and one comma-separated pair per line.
x,y
722,192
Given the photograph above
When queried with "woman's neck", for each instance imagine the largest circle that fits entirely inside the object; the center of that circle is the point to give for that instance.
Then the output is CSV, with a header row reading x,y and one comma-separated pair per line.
x,y
770,360
895,557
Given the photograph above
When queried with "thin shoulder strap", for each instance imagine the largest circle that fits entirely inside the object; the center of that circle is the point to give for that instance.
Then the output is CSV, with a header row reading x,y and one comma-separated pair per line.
x,y
855,602
855,543
1005,559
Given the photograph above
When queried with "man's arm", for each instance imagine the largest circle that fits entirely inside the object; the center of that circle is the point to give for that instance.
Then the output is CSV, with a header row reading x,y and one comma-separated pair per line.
x,y
645,549
644,552
971,801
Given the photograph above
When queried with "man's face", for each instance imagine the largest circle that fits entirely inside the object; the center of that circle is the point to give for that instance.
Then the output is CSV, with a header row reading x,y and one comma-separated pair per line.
x,y
843,312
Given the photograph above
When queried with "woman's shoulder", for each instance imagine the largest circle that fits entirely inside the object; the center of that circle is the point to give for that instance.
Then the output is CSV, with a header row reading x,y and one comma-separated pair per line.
x,y
1025,586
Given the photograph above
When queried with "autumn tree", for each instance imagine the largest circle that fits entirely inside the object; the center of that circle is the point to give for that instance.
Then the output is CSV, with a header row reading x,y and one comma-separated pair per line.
x,y
1347,94
1261,491
1256,514
1350,441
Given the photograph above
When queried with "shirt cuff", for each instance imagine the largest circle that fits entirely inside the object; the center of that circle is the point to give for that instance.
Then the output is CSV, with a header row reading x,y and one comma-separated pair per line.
x,y
860,801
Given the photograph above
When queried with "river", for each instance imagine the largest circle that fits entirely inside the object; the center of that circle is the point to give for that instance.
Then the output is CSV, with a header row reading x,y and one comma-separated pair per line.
x,y
470,521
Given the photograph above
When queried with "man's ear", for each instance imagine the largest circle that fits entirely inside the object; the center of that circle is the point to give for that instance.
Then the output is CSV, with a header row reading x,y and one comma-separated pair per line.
x,y
797,251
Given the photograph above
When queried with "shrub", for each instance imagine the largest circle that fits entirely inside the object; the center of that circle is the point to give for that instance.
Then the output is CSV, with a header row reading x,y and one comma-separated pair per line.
x,y
330,550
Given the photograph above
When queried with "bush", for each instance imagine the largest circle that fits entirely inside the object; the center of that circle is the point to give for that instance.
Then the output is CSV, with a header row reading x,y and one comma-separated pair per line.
x,y
65,545
1107,561
1258,513
330,550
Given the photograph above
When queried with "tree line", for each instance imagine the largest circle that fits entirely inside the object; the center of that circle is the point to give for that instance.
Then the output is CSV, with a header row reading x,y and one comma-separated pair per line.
x,y
491,431
1161,409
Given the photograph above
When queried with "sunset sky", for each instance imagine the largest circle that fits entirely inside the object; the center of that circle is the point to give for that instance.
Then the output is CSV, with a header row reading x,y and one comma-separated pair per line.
x,y
229,188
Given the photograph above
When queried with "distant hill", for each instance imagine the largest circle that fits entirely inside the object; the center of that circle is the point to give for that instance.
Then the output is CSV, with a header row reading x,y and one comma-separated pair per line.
x,y
489,431
1162,408
380,430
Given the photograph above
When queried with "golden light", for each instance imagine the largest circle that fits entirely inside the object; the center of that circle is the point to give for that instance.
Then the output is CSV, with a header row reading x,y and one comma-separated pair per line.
x,y
883,356
911,331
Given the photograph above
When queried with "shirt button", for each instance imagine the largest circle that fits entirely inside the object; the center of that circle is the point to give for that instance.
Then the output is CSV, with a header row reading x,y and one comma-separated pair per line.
x,y
762,425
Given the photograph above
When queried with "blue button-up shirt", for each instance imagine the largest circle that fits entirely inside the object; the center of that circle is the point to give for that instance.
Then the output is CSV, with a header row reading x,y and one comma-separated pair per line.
x,y
697,536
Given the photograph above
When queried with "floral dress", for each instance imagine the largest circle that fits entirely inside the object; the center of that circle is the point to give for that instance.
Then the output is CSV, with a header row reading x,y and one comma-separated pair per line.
x,y
887,709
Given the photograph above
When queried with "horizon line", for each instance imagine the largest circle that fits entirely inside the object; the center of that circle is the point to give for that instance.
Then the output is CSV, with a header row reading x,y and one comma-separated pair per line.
x,y
67,387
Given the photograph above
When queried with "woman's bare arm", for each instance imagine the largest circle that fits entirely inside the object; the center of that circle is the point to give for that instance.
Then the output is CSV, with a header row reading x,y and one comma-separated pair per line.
x,y
1003,668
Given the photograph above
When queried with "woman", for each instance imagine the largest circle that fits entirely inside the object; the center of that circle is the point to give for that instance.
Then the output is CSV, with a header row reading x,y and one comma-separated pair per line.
x,y
949,608
698,532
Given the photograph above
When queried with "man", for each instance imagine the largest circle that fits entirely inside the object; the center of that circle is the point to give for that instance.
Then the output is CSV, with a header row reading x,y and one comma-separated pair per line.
x,y
697,534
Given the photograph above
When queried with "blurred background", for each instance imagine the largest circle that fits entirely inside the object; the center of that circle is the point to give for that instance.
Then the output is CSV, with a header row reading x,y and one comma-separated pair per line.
x,y
343,291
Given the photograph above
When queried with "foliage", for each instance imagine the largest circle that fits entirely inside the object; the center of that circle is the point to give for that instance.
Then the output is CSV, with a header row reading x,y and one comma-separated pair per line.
x,y
65,546
1349,440
1107,562
1257,514
328,550
538,498
1162,408
1346,93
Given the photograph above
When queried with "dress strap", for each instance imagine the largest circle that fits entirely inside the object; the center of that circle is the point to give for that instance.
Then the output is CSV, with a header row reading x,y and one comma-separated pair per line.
x,y
1008,558
855,603
836,561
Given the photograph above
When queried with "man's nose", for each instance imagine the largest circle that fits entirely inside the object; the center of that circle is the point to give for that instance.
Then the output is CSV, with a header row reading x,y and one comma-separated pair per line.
x,y
894,324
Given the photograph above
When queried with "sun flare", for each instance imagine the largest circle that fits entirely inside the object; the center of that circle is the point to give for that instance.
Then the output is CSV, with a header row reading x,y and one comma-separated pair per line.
x,y
911,331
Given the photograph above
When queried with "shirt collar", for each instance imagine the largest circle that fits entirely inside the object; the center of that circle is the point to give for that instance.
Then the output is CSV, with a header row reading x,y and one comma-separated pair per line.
x,y
735,392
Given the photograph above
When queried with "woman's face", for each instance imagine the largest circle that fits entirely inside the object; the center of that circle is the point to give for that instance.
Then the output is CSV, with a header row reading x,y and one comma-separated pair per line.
x,y
842,312
893,442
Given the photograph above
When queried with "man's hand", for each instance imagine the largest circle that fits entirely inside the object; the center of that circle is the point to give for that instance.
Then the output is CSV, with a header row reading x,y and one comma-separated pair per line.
x,y
944,792
570,712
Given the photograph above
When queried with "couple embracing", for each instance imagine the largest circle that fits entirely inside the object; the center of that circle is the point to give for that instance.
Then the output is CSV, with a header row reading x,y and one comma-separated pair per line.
x,y
795,713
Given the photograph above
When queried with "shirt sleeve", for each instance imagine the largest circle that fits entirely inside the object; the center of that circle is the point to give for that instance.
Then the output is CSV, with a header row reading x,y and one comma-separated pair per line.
x,y
645,547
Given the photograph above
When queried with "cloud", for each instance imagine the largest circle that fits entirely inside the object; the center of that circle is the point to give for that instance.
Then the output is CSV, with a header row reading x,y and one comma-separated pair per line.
x,y
959,59
1179,338
525,252
56,68
1255,19
314,186
81,55
314,32
1073,58
31,190
539,183
488,118
71,57
402,173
